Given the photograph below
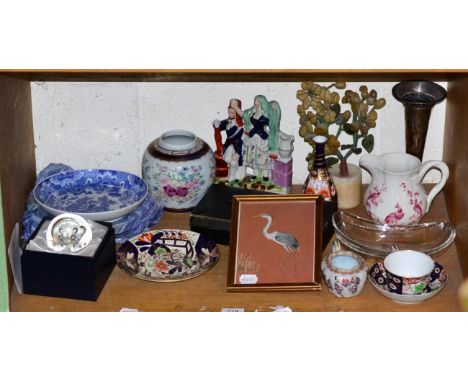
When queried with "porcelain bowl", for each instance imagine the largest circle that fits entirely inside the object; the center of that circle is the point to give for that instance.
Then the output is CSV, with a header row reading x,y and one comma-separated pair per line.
x,y
95,194
378,279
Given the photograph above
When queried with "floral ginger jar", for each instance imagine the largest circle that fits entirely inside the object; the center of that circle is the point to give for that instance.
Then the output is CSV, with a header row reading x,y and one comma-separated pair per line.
x,y
178,167
345,273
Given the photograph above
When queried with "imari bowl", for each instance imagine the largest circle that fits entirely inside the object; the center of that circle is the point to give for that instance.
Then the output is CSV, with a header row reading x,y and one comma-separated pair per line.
x,y
378,278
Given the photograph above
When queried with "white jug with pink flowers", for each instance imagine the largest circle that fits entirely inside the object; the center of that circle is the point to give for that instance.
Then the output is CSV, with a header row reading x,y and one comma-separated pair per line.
x,y
396,194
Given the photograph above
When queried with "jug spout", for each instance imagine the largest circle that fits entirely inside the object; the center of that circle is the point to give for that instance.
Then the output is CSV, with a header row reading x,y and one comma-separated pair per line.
x,y
370,163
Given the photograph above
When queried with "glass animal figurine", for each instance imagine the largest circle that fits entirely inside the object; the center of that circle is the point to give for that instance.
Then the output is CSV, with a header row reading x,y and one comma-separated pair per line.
x,y
68,232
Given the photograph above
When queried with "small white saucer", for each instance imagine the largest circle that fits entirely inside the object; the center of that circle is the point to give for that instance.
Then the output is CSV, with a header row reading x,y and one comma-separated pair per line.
x,y
439,279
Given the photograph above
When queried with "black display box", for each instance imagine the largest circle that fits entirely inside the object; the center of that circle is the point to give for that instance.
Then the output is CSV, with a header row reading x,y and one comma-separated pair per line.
x,y
69,276
212,216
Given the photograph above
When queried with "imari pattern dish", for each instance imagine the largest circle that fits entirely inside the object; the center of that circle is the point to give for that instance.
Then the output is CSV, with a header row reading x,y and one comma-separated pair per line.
x,y
378,240
378,278
167,255
93,194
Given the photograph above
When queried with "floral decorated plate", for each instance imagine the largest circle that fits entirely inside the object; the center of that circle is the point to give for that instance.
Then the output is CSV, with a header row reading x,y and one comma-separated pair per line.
x,y
378,278
94,194
167,255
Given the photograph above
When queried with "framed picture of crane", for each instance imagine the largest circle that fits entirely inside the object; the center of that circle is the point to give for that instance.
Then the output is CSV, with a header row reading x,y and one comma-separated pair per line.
x,y
275,243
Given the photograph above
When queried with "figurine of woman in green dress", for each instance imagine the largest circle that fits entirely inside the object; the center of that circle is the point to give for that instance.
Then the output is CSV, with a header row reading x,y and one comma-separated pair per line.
x,y
261,132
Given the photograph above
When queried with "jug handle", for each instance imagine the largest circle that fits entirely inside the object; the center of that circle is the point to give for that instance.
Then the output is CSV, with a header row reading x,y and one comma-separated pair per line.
x,y
423,170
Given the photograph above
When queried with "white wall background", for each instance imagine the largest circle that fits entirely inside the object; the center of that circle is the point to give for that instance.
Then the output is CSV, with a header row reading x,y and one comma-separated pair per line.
x,y
109,125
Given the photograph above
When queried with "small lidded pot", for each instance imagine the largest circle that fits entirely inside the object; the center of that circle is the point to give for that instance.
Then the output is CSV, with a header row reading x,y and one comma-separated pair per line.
x,y
178,168
345,273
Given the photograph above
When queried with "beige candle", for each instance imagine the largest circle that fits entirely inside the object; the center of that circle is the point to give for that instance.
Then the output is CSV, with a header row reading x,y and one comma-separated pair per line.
x,y
463,296
348,188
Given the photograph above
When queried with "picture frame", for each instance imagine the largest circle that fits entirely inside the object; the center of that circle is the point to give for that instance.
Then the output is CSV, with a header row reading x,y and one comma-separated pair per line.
x,y
276,243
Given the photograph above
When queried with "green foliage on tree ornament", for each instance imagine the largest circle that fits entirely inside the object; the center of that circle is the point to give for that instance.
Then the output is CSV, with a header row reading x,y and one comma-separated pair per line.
x,y
320,110
368,143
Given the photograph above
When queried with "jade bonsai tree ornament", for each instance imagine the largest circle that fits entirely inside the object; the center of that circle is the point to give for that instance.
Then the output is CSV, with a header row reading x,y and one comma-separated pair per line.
x,y
257,153
321,112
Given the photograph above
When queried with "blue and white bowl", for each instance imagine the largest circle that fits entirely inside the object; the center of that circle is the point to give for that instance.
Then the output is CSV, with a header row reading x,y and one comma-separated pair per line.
x,y
95,194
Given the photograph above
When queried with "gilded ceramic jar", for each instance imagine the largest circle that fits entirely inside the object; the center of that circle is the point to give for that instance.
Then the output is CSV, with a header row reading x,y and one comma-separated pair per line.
x,y
345,273
178,168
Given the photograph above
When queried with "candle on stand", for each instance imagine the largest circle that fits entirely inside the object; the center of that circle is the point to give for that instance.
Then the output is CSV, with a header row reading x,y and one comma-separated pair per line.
x,y
348,188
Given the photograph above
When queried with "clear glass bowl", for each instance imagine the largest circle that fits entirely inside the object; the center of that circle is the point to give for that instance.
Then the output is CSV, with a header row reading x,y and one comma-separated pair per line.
x,y
378,240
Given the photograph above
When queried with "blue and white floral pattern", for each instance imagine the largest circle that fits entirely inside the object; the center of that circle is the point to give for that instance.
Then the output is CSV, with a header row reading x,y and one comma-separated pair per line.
x,y
90,191
139,220
145,216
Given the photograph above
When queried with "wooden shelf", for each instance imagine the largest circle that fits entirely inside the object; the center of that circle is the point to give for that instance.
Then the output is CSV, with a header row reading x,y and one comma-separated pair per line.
x,y
208,292
236,75
17,176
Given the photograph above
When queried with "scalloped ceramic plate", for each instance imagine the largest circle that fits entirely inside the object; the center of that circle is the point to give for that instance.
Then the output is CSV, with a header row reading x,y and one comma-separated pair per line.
x,y
377,278
102,195
167,255
370,238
